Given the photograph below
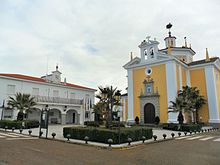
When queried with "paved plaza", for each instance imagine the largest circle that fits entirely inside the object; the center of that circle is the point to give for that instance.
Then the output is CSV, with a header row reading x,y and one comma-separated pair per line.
x,y
58,129
199,149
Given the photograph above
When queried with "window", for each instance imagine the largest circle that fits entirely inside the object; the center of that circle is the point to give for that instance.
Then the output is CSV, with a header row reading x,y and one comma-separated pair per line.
x,y
148,89
11,89
87,115
35,91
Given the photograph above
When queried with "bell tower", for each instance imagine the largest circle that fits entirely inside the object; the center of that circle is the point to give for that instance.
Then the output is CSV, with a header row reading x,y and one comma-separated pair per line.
x,y
148,49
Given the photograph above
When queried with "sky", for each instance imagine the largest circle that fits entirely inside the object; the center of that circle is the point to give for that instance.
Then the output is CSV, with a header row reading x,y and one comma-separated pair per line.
x,y
91,40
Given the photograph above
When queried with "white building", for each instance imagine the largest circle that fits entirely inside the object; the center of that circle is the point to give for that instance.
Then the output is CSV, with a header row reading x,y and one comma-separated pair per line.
x,y
68,103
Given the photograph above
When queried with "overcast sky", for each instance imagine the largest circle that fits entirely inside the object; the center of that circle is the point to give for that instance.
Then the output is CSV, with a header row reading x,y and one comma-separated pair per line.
x,y
91,39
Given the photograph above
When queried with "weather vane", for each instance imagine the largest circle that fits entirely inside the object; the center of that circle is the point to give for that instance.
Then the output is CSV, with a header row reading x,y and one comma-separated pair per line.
x,y
168,26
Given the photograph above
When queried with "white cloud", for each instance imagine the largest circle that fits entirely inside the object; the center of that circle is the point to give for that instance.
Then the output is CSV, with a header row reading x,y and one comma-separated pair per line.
x,y
92,39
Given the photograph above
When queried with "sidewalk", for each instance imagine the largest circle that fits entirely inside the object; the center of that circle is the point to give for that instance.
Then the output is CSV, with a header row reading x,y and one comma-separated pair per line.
x,y
58,129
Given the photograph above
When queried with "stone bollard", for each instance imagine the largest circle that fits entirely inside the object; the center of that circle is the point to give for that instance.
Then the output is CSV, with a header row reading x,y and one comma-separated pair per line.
x,y
86,138
53,135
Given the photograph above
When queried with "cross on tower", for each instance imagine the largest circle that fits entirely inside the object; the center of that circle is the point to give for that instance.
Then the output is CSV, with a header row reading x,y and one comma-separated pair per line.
x,y
148,38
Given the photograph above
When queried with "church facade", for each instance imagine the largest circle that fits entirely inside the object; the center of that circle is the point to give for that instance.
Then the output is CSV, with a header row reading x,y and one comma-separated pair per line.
x,y
157,75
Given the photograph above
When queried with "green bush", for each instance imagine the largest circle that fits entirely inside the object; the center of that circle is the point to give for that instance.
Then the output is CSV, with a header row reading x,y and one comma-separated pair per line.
x,y
10,124
18,124
91,123
102,134
115,124
191,127
182,127
32,124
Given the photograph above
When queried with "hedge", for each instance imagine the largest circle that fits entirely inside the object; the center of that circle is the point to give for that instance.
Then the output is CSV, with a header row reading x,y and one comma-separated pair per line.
x,y
102,134
91,123
18,124
115,124
182,127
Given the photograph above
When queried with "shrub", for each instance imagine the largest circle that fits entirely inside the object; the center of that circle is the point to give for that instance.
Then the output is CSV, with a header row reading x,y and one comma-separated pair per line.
x,y
116,124
102,134
31,124
91,123
190,127
157,120
136,120
182,127
18,124
10,124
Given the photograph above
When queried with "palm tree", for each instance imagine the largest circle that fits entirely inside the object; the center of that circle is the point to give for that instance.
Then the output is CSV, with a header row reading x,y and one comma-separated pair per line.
x,y
193,100
178,106
23,102
107,96
98,110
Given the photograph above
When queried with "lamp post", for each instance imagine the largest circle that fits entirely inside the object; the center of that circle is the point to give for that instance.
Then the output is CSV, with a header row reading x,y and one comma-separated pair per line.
x,y
119,126
3,108
44,120
117,98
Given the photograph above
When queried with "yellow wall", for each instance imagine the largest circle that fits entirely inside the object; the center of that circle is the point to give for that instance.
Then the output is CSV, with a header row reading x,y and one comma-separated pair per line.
x,y
217,80
159,77
126,109
184,77
177,77
197,78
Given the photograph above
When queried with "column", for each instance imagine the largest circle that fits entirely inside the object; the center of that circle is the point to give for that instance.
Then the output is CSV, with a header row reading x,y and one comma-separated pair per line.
x,y
171,80
63,119
212,94
130,96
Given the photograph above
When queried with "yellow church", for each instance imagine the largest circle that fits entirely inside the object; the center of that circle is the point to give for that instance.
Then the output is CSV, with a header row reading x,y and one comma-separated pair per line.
x,y
157,75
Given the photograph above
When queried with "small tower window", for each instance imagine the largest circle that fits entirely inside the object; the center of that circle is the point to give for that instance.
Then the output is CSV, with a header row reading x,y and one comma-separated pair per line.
x,y
171,42
148,89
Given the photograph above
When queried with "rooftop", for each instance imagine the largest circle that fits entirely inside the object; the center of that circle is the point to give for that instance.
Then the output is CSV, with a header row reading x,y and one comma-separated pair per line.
x,y
36,79
213,59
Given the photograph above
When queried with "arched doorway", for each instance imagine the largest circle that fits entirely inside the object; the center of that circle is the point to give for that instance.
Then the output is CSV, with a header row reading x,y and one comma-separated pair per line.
x,y
54,116
149,113
71,117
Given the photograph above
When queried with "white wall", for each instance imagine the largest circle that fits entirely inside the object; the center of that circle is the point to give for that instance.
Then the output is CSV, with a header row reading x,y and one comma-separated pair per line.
x,y
171,88
45,89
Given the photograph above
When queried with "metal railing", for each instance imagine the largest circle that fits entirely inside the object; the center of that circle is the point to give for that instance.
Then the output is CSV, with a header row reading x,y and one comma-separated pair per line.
x,y
58,100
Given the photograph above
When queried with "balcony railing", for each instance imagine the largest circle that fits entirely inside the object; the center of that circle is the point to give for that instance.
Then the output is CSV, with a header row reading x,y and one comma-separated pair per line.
x,y
58,100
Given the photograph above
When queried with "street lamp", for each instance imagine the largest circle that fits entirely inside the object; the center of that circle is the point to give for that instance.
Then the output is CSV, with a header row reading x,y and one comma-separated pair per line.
x,y
3,108
44,120
119,126
117,98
